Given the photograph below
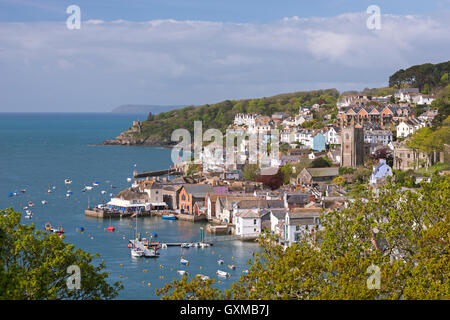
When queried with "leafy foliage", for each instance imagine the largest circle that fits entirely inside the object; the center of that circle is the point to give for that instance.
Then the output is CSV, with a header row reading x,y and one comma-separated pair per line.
x,y
406,234
34,265
425,76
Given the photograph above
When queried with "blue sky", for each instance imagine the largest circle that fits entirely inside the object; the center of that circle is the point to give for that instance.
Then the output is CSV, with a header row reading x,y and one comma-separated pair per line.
x,y
209,10
203,51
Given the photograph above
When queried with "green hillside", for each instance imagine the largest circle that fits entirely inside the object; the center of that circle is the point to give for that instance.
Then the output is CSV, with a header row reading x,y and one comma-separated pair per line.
x,y
220,115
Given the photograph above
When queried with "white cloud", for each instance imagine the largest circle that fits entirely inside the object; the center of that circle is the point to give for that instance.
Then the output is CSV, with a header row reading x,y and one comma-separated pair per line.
x,y
182,62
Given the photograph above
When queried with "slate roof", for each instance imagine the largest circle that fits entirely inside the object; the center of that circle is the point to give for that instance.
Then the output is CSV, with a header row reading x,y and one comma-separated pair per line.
x,y
198,190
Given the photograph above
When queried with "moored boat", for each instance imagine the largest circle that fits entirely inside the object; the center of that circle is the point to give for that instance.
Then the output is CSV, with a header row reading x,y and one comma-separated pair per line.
x,y
232,266
137,252
68,181
184,262
220,261
169,217
221,273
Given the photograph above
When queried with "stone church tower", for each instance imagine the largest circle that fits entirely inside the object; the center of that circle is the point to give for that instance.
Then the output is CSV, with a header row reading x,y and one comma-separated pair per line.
x,y
352,146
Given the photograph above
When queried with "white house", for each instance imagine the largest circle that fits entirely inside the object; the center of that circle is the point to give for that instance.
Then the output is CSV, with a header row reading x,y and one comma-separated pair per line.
x,y
247,223
408,127
298,225
332,136
378,136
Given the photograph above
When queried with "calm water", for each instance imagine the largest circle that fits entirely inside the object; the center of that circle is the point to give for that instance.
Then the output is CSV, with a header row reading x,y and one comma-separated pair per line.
x,y
41,150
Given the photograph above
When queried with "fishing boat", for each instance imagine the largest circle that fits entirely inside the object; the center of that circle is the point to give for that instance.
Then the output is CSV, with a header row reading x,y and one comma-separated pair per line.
x,y
137,252
221,273
30,204
68,181
169,217
185,245
232,266
220,261
184,262
182,272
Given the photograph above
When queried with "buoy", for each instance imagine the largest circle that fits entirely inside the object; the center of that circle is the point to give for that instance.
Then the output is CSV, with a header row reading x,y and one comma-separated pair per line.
x,y
145,270
121,265
149,284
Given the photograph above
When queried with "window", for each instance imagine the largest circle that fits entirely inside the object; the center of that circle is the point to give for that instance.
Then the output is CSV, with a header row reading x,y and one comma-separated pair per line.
x,y
254,221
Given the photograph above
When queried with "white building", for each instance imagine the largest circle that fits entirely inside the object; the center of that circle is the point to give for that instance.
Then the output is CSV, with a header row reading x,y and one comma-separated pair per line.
x,y
408,127
298,225
247,223
332,136
247,119
378,136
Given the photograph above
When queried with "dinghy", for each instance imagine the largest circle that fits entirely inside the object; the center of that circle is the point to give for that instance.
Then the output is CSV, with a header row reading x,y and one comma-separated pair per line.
x,y
68,181
220,261
184,262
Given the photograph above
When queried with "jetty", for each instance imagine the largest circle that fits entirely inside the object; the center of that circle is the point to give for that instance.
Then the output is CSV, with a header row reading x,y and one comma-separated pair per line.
x,y
156,173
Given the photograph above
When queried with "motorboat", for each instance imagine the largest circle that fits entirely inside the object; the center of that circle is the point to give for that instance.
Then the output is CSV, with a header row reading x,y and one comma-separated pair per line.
x,y
204,244
220,261
88,187
128,179
96,183
185,245
30,204
221,273
49,191
184,262
137,252
68,181
44,202
245,272
182,272
232,266
28,214
23,190
103,192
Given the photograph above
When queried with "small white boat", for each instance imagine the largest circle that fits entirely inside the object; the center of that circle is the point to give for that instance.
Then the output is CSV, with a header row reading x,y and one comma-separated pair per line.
x,y
30,204
96,183
53,187
220,261
150,253
184,261
68,194
202,276
245,272
182,272
137,252
164,246
44,202
49,191
88,187
232,266
25,208
68,181
103,192
28,214
185,245
128,179
204,244
221,273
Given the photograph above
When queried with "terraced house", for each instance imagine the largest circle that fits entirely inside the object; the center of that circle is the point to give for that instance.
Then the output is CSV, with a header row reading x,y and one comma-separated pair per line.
x,y
384,115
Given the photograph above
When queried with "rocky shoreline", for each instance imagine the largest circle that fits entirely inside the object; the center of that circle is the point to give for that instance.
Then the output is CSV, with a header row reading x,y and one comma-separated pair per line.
x,y
131,138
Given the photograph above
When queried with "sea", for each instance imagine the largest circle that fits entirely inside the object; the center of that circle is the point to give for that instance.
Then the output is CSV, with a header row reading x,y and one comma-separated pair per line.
x,y
39,151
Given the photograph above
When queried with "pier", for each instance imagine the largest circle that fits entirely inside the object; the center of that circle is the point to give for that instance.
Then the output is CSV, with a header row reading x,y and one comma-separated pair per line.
x,y
156,173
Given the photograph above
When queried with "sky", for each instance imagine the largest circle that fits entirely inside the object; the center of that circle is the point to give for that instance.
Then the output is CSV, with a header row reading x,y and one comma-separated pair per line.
x,y
181,52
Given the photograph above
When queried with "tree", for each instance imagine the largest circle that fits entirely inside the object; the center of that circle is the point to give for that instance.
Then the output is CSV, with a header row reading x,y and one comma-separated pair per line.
x,y
321,162
405,234
287,172
34,265
251,171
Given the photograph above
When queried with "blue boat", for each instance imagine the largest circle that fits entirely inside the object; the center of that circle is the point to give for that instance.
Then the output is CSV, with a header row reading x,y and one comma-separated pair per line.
x,y
169,217
154,234
10,194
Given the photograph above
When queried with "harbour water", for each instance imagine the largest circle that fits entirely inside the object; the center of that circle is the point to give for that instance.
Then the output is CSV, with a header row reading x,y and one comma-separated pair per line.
x,y
40,150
